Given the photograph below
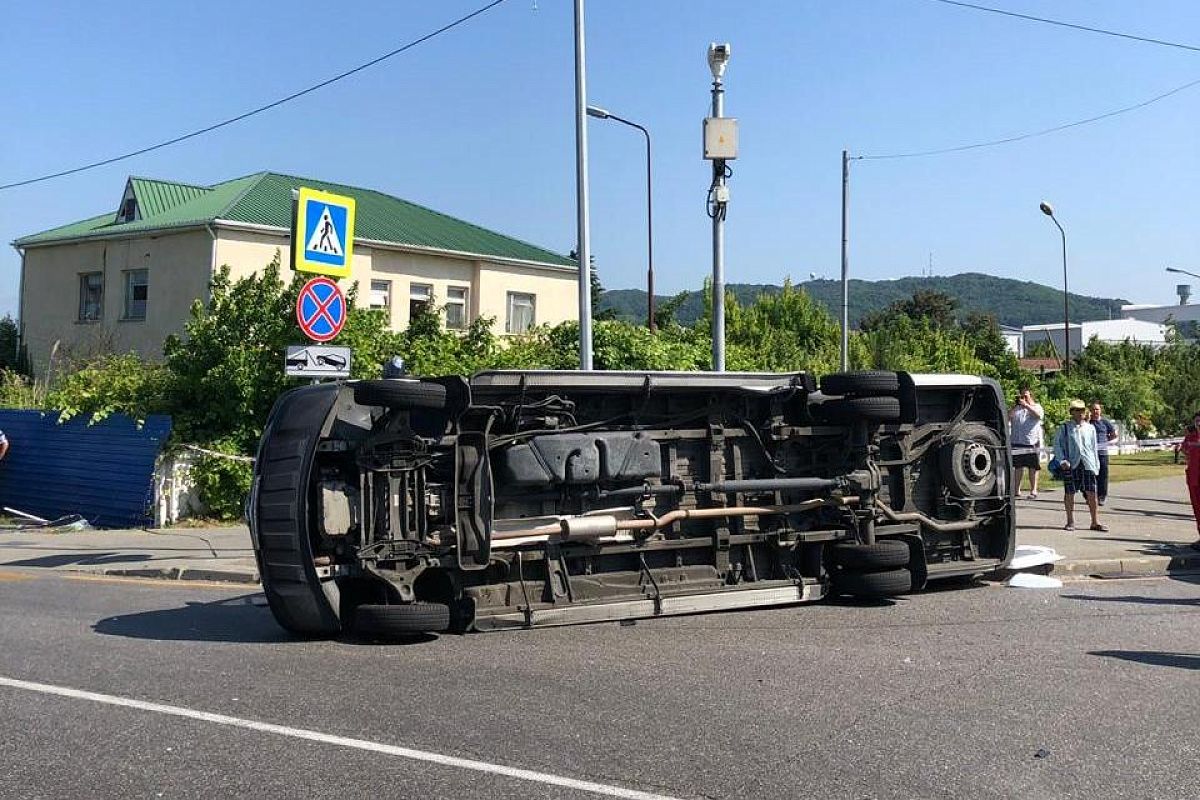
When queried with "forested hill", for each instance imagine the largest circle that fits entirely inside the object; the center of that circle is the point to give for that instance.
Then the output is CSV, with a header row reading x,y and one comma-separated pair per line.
x,y
1013,302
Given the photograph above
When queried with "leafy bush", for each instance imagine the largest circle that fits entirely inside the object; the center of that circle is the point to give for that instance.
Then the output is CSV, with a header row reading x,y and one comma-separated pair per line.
x,y
785,332
115,384
226,369
902,343
222,484
20,391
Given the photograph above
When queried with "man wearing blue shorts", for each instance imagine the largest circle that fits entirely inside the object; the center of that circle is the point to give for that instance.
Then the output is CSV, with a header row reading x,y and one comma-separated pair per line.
x,y
1078,462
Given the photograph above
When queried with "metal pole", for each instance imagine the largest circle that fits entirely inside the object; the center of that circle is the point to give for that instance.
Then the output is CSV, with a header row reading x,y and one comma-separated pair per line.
x,y
1066,306
583,232
845,261
649,237
718,236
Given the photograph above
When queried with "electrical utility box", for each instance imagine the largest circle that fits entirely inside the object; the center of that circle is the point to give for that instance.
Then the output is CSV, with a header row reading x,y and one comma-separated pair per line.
x,y
720,138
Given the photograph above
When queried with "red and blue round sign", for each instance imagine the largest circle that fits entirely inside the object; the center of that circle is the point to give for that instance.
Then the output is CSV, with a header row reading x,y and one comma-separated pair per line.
x,y
321,309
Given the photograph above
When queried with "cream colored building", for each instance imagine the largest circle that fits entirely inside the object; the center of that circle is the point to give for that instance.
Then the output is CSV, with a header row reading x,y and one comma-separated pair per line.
x,y
126,279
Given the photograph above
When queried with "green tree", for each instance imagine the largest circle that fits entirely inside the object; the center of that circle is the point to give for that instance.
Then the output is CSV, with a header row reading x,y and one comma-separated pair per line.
x,y
666,313
13,356
1177,384
227,366
226,370
786,332
939,308
114,384
911,345
982,332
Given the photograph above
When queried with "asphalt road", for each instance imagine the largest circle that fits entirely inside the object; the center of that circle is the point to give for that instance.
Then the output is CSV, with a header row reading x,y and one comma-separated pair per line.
x,y
1089,691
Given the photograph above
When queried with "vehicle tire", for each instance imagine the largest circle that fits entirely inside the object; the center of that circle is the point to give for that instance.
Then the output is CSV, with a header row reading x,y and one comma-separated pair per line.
x,y
884,554
853,409
278,507
968,462
863,383
400,393
402,619
873,584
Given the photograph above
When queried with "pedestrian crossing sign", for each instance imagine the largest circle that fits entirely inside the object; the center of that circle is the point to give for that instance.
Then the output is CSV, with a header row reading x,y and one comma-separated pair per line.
x,y
323,233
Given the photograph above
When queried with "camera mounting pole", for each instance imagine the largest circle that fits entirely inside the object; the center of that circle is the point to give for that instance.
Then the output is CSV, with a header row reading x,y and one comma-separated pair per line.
x,y
720,145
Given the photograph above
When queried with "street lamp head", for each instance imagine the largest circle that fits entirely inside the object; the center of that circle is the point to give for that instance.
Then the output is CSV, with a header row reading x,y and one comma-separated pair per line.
x,y
1173,269
597,112
1047,209
718,57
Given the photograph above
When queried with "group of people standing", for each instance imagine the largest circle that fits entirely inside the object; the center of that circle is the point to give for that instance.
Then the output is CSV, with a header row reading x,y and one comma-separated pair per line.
x,y
1080,453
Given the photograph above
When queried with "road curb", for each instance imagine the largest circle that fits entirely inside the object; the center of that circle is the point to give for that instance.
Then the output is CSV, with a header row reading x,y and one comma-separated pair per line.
x,y
1143,566
185,574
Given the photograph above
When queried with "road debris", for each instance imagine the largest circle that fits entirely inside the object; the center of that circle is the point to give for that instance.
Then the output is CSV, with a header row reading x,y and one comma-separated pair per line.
x,y
1029,556
1031,580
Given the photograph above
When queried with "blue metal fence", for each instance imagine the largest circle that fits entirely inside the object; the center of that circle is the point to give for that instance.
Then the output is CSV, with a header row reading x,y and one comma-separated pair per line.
x,y
103,472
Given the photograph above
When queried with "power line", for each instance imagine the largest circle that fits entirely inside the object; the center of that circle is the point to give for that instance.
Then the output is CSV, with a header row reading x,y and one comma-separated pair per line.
x,y
260,109
1033,134
1061,24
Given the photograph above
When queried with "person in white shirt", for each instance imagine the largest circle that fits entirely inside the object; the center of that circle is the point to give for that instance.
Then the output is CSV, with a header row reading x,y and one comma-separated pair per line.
x,y
1025,423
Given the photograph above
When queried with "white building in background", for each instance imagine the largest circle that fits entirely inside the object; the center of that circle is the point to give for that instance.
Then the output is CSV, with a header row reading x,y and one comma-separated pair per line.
x,y
1109,331
1181,312
1015,339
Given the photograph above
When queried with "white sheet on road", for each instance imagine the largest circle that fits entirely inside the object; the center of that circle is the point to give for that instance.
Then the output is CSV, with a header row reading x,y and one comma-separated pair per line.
x,y
1028,556
1031,580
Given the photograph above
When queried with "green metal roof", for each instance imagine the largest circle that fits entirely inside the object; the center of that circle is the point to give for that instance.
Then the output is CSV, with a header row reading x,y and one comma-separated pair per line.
x,y
155,197
266,199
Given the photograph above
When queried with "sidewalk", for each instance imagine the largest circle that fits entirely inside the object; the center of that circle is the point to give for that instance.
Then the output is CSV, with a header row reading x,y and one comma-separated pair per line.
x,y
1150,532
206,554
1150,529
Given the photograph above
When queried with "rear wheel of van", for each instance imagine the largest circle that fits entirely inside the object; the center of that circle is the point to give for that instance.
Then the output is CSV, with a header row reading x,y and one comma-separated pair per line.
x,y
861,383
883,554
885,583
854,409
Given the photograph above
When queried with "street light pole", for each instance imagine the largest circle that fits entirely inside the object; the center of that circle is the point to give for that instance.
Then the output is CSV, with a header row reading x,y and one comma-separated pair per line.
x,y
1182,271
600,113
1048,210
845,261
582,221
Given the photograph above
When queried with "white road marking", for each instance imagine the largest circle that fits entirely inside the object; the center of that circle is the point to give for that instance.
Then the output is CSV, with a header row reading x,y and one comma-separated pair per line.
x,y
340,741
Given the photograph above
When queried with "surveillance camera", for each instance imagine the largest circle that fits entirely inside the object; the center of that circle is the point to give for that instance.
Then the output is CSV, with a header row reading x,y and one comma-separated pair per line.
x,y
718,57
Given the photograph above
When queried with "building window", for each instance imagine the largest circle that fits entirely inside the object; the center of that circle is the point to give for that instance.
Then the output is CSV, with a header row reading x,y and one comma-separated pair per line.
x,y
381,295
137,287
522,312
129,210
91,296
456,307
420,296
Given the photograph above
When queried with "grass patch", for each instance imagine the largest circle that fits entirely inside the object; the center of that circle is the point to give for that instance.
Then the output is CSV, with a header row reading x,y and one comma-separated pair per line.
x,y
1147,464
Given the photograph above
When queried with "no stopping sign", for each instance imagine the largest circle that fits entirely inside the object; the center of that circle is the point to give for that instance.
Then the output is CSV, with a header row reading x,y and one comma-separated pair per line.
x,y
321,309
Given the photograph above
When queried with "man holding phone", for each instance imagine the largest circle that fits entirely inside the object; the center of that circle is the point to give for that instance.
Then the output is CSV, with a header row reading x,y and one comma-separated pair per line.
x,y
1025,423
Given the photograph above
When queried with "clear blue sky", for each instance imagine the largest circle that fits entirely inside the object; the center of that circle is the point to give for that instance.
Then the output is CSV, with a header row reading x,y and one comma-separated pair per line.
x,y
478,123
